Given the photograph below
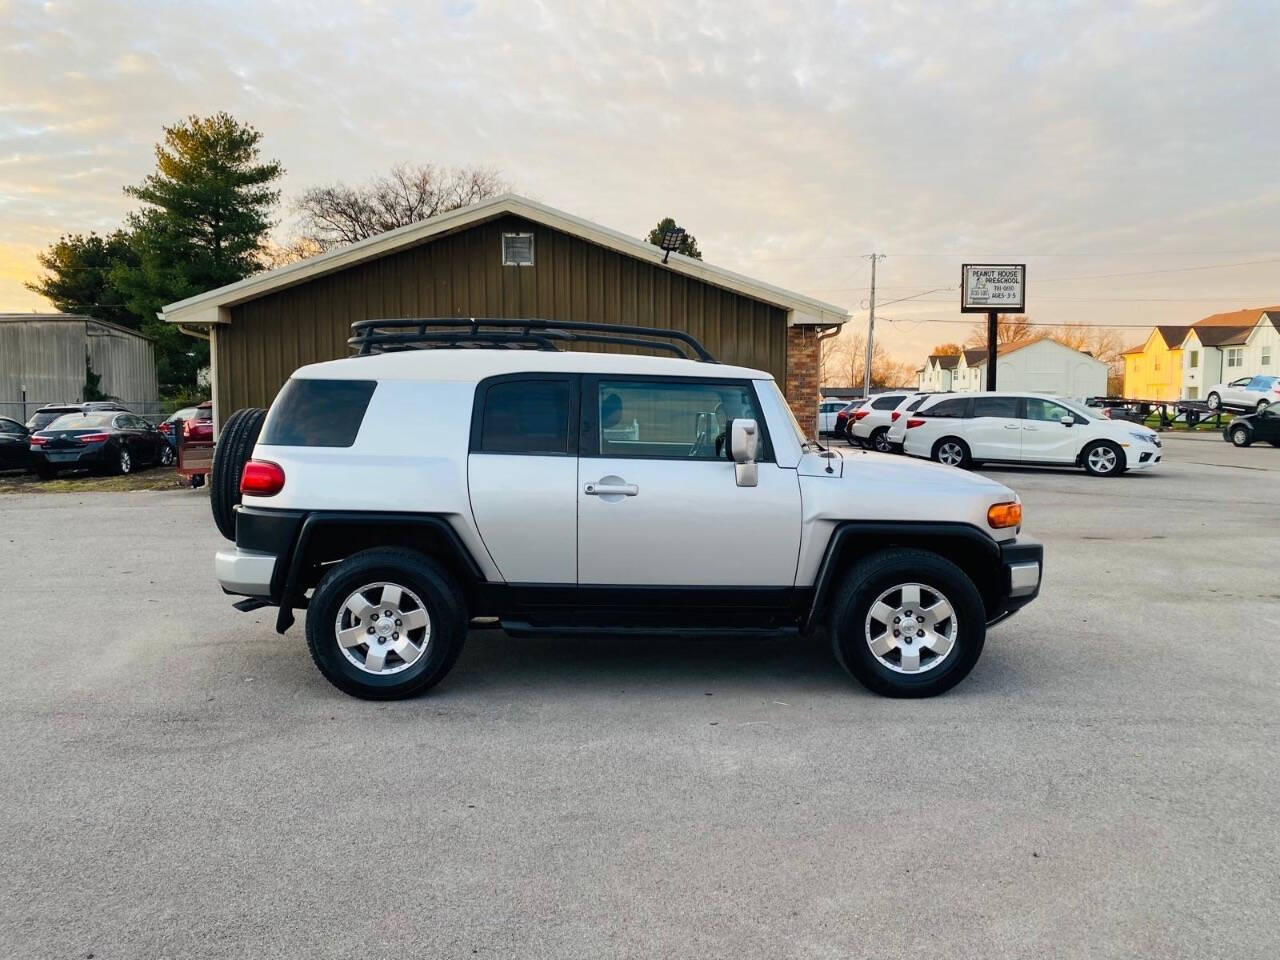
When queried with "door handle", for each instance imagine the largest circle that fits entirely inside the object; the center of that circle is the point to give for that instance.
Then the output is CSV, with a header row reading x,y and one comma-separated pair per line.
x,y
1012,426
1030,428
602,489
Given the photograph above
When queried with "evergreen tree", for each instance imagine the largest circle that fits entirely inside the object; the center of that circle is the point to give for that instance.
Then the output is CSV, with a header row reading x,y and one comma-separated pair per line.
x,y
79,276
688,244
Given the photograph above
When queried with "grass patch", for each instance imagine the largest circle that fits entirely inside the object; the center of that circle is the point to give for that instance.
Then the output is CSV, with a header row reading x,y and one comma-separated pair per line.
x,y
156,478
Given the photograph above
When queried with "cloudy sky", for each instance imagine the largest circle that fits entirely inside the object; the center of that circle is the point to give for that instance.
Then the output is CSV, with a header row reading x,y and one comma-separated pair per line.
x,y
1088,139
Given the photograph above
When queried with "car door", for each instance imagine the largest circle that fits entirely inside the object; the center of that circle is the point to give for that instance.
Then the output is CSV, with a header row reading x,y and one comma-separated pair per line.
x,y
1046,438
1237,392
523,473
1266,425
13,444
658,504
994,431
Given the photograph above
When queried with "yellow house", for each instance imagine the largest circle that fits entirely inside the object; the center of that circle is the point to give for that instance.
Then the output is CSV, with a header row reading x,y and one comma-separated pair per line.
x,y
1153,371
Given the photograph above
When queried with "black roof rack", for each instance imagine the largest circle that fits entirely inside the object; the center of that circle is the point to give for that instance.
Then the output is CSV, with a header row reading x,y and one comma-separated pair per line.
x,y
417,333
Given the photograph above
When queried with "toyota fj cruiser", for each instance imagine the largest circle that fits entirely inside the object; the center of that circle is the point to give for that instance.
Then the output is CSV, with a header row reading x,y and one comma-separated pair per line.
x,y
399,494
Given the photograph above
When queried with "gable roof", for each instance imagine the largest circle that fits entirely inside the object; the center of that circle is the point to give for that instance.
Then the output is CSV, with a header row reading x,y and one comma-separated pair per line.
x,y
1219,336
213,306
1172,335
974,357
946,361
1236,318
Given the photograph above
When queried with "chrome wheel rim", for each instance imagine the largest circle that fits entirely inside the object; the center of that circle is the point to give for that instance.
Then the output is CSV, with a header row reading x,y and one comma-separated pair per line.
x,y
882,442
166,455
1214,400
1102,459
952,454
126,461
912,628
1239,437
383,628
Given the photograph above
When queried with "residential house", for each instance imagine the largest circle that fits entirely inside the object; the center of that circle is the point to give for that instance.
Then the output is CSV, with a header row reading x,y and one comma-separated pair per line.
x,y
1153,370
1227,346
938,373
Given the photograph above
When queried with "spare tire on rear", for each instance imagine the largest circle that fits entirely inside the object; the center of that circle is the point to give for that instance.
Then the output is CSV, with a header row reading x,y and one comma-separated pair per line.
x,y
235,445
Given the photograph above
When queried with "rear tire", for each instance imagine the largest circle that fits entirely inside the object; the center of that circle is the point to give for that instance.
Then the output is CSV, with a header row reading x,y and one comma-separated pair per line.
x,y
1103,459
123,464
874,589
953,452
232,452
1213,401
1241,437
880,440
421,585
1262,405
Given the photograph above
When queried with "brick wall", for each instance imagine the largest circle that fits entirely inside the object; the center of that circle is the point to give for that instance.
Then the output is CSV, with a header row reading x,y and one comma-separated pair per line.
x,y
804,356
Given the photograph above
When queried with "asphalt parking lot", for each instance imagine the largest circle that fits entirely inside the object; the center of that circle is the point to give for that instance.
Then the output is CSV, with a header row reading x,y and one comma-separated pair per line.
x,y
178,781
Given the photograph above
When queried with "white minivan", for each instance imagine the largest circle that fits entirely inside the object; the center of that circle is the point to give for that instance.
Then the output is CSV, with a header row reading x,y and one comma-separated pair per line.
x,y
964,429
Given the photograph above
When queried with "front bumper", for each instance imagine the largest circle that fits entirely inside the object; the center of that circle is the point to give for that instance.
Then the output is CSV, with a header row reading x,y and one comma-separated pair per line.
x,y
1023,570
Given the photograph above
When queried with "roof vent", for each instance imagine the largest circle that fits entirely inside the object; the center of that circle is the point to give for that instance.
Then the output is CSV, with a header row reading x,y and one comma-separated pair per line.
x,y
517,249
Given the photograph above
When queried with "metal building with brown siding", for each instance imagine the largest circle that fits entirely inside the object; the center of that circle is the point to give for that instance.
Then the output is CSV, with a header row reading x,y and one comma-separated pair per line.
x,y
459,264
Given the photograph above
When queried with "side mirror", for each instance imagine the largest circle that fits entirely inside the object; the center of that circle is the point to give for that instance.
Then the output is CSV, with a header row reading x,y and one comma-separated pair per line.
x,y
1067,421
744,439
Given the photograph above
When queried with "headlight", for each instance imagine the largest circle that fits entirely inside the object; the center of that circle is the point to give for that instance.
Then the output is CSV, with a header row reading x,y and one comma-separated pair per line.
x,y
1144,437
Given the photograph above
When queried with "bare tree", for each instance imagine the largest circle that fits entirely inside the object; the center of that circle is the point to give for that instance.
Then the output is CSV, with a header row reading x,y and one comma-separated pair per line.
x,y
1010,328
844,358
1102,343
338,213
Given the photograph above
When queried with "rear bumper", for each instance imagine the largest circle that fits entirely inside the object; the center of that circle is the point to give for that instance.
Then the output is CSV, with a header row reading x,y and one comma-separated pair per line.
x,y
1023,563
246,572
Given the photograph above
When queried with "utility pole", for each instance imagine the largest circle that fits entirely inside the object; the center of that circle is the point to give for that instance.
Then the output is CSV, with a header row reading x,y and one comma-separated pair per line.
x,y
993,330
871,326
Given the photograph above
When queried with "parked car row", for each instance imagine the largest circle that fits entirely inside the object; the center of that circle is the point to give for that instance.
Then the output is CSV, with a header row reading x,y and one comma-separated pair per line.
x,y
96,435
963,430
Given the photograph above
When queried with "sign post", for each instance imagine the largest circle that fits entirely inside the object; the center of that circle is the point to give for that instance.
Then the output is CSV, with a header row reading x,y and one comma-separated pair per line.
x,y
993,289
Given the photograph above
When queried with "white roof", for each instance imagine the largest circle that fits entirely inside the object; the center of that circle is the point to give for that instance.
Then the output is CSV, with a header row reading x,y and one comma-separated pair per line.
x,y
213,306
473,364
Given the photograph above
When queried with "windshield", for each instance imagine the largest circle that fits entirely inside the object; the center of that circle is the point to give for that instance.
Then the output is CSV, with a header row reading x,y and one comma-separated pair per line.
x,y
772,386
1077,408
82,421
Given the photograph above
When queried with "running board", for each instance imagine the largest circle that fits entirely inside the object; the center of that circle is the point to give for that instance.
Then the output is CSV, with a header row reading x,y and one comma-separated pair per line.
x,y
522,629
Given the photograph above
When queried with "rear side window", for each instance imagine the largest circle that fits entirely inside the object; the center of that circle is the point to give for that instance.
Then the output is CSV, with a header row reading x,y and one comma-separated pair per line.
x,y
954,407
526,416
317,413
915,405
995,407
887,403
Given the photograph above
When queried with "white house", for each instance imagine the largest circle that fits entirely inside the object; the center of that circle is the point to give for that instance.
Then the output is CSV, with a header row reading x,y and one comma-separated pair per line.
x,y
1042,365
1227,346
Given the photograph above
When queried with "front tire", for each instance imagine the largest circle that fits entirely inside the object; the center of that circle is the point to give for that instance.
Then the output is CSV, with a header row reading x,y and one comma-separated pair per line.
x,y
907,623
386,624
1103,459
953,452
1241,437
166,455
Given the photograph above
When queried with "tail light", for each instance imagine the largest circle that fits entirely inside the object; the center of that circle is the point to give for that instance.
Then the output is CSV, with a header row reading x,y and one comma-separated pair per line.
x,y
93,437
915,422
893,417
859,414
38,441
261,478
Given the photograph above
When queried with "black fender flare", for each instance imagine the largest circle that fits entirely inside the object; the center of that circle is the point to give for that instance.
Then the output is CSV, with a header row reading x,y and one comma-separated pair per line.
x,y
962,543
407,529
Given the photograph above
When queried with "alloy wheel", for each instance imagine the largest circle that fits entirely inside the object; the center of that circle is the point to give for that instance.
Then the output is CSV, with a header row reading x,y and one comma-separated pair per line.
x,y
1103,460
383,628
951,453
882,443
126,461
911,628
1240,437
166,455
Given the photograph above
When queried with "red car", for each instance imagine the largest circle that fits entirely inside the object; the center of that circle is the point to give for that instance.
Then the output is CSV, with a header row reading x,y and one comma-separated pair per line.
x,y
200,427
843,420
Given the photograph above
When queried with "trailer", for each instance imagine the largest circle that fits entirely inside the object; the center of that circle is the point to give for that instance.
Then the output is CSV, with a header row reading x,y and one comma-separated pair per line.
x,y
1139,410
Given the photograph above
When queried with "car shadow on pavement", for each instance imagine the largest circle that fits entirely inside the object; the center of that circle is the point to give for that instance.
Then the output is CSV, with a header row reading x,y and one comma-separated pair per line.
x,y
492,660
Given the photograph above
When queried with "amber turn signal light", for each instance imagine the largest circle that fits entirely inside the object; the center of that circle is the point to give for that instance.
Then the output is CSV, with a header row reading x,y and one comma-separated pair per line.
x,y
1003,515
